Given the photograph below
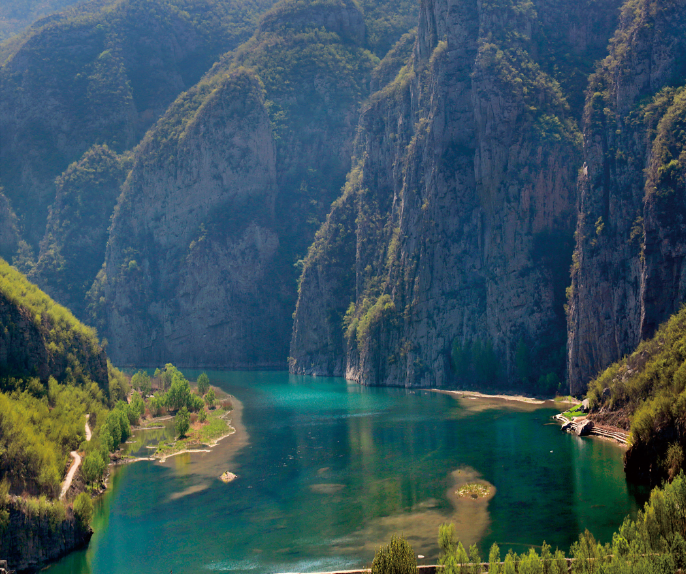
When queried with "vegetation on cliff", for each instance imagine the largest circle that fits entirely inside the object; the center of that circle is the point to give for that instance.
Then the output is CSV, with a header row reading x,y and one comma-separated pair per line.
x,y
646,392
415,265
73,248
102,73
43,403
626,275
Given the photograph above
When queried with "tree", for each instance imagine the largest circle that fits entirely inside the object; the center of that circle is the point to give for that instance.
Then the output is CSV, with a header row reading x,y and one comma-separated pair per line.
x,y
93,467
196,403
83,509
202,416
396,558
179,394
203,384
523,362
141,381
137,405
155,406
209,399
494,560
183,422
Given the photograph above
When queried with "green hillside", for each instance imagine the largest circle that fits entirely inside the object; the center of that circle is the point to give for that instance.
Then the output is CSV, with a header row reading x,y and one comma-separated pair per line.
x,y
53,371
646,393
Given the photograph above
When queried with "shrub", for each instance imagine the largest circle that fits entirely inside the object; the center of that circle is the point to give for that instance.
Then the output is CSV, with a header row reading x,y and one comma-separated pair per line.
x,y
203,384
396,558
209,399
202,416
182,422
93,467
83,509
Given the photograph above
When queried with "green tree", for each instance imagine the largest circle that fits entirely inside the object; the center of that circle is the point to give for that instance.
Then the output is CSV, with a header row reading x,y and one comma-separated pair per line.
x,y
485,360
202,416
137,405
210,399
460,359
494,566
203,384
93,467
196,403
182,422
141,382
447,540
83,509
396,558
179,394
523,362
155,406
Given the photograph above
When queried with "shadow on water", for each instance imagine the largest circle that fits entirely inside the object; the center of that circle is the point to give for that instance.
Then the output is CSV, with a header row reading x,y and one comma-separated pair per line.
x,y
327,471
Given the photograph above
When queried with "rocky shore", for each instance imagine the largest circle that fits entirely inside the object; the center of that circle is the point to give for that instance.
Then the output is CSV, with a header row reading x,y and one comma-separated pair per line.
x,y
33,539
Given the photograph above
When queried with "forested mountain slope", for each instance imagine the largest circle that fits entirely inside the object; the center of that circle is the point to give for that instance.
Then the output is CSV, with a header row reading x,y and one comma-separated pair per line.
x,y
227,190
101,74
628,274
17,15
446,259
72,251
646,393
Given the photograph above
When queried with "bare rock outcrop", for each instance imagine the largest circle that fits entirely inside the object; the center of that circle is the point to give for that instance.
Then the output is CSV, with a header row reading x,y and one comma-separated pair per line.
x,y
32,540
628,272
449,249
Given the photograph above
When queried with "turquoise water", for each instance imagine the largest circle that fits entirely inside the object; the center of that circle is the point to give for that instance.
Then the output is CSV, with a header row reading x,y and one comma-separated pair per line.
x,y
328,470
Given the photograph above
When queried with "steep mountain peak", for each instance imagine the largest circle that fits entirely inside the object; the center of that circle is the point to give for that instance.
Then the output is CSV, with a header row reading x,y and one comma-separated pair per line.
x,y
342,17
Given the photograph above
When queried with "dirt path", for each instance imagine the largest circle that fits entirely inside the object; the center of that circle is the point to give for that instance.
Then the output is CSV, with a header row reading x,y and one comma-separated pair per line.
x,y
75,465
70,475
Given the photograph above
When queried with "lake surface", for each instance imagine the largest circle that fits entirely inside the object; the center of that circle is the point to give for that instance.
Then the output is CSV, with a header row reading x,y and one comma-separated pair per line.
x,y
328,470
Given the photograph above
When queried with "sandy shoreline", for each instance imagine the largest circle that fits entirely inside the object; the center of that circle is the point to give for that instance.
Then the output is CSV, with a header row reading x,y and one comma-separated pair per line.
x,y
215,442
477,395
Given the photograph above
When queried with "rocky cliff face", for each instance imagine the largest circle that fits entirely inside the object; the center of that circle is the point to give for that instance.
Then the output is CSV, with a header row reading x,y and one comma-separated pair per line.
x,y
9,234
172,254
73,249
101,74
446,257
226,193
628,273
30,540
40,339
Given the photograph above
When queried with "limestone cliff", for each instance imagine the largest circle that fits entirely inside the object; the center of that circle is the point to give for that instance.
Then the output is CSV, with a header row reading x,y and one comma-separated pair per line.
x,y
102,73
628,273
447,256
32,539
9,234
73,249
227,191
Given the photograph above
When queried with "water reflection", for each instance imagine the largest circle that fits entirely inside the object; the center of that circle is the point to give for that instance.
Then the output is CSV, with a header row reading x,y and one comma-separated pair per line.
x,y
327,471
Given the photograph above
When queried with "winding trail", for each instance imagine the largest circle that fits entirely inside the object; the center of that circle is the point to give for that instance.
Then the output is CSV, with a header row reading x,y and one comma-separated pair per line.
x,y
75,465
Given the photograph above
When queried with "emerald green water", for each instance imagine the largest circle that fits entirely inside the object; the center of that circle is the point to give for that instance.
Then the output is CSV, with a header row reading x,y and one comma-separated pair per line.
x,y
328,470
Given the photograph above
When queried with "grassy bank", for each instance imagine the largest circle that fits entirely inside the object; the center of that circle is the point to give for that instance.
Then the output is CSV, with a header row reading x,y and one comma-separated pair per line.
x,y
200,435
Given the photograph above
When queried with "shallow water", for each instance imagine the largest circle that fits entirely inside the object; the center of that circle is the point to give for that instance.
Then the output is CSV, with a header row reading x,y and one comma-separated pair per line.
x,y
329,470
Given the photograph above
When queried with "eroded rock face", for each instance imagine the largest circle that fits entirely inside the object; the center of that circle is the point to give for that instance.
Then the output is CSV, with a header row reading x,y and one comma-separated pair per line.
x,y
30,542
73,248
192,238
226,193
27,348
9,235
455,226
103,74
628,273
